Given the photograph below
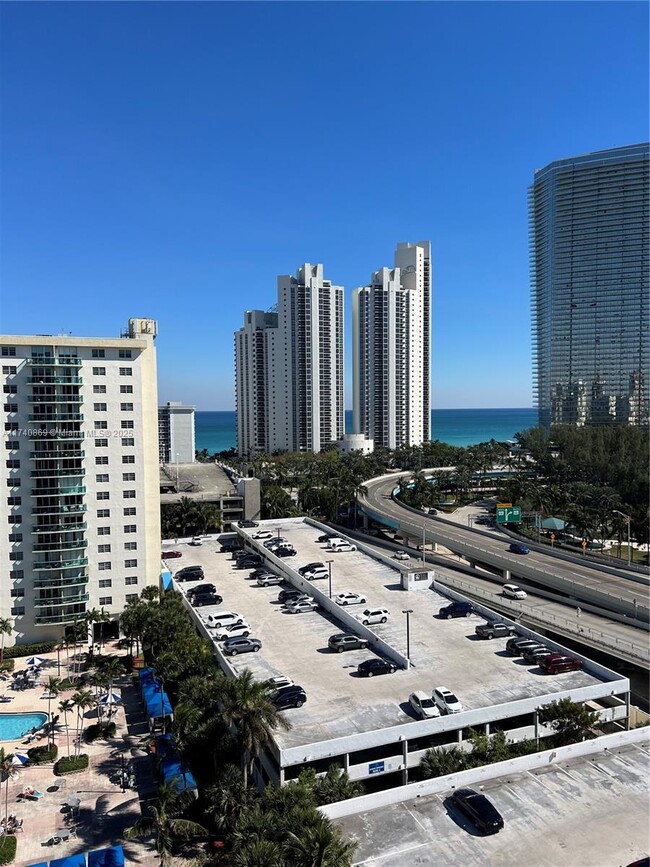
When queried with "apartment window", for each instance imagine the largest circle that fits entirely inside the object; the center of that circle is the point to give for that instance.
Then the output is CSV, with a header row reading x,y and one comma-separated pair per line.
x,y
130,528
126,407
10,389
16,555
18,612
15,519
103,531
129,510
126,371
8,351
101,425
13,483
126,389
131,597
14,501
103,495
15,537
17,593
9,369
99,353
101,460
14,445
128,441
101,444
128,459
131,579
101,477
103,513
103,549
13,464
130,564
105,600
124,353
104,565
128,477
99,389
99,371
129,495
99,407
17,574
11,407
105,582
11,425
127,425
130,546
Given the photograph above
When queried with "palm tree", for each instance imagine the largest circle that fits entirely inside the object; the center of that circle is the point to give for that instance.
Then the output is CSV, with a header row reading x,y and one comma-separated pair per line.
x,y
95,616
226,800
82,700
319,846
53,689
259,853
65,707
164,824
443,761
6,628
248,707
6,768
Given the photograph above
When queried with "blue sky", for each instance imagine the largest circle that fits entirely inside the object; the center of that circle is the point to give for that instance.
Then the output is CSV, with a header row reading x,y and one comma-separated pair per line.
x,y
170,159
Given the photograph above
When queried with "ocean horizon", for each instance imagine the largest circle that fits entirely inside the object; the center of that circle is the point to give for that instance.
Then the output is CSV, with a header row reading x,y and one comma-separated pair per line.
x,y
216,430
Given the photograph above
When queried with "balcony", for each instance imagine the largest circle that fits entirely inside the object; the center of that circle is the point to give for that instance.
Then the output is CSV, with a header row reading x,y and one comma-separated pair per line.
x,y
53,419
45,433
61,546
55,398
54,583
60,619
59,564
57,473
58,491
53,455
48,361
59,509
64,600
60,528
55,380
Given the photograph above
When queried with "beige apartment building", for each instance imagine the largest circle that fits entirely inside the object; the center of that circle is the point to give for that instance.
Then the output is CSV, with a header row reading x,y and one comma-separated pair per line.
x,y
79,511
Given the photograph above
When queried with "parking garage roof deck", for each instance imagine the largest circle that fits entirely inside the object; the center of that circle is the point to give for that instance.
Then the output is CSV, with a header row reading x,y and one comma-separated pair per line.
x,y
339,703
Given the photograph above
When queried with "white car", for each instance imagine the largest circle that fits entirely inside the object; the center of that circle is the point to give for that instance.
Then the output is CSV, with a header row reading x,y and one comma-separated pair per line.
x,y
373,615
446,700
236,630
513,592
424,706
269,580
401,555
263,534
350,599
302,606
278,682
223,618
316,575
345,547
274,542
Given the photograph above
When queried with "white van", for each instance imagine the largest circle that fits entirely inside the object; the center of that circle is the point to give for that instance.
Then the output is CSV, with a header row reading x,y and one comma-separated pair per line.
x,y
340,545
514,592
223,618
334,542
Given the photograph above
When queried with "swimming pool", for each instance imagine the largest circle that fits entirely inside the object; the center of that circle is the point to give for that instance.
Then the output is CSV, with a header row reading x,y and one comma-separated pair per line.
x,y
17,725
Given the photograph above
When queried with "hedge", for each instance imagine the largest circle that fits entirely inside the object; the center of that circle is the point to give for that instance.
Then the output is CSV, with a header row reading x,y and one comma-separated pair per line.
x,y
41,755
100,730
8,845
7,665
29,649
67,765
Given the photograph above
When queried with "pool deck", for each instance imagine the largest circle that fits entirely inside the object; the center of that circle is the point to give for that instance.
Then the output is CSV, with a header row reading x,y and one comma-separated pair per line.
x,y
105,811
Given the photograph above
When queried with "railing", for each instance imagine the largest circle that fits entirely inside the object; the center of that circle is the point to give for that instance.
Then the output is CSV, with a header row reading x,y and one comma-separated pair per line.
x,y
54,583
57,473
61,546
50,360
59,416
55,455
57,492
60,564
67,600
55,380
55,398
60,528
61,618
61,508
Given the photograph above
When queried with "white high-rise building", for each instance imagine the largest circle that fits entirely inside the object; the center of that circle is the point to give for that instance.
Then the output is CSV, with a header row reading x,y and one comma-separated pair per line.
x,y
289,373
176,439
80,511
391,348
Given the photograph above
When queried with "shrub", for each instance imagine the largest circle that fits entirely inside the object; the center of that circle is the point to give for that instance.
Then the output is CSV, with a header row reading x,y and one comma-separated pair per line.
x,y
41,755
7,848
29,649
67,765
100,730
7,665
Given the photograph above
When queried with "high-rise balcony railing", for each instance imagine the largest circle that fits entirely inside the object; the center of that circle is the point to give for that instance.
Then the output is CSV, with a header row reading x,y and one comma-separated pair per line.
x,y
56,417
49,360
62,600
54,454
58,472
61,546
55,398
59,509
52,582
60,528
62,617
58,491
42,565
51,379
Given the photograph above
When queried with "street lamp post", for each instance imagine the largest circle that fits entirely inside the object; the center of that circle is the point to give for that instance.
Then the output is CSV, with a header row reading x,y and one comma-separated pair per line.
x,y
629,547
329,571
408,612
424,546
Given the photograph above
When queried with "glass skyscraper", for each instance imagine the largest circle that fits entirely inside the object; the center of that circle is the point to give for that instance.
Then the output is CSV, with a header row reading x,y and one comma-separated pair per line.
x,y
589,236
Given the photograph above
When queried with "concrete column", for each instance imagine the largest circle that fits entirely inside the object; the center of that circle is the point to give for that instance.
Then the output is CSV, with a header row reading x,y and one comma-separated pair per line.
x,y
434,547
346,763
506,575
627,711
536,719
487,729
405,755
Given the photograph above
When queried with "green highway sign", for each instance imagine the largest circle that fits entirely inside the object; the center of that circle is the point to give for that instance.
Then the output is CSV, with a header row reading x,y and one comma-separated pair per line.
x,y
508,514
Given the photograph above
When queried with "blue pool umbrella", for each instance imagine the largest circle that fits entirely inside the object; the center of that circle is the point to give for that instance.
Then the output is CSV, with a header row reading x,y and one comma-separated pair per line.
x,y
113,857
78,860
110,698
40,864
34,661
19,759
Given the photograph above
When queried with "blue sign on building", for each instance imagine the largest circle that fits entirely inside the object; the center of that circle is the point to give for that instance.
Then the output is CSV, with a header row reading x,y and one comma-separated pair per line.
x,y
376,768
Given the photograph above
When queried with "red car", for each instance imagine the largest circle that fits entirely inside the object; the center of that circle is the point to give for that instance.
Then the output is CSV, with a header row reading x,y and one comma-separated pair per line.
x,y
170,555
556,663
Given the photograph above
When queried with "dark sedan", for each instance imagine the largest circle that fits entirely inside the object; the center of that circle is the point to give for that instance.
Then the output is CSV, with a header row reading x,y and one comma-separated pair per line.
x,y
372,667
310,567
289,696
479,809
518,548
247,524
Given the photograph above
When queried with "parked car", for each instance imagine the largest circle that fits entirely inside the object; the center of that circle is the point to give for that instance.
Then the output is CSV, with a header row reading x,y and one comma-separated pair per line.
x,y
401,555
339,549
261,570
479,809
533,655
233,646
557,663
285,551
290,696
248,562
196,541
263,534
170,555
278,682
324,538
235,630
276,540
200,589
189,573
346,641
373,615
518,548
311,567
446,700
516,646
224,618
242,553
247,524
456,609
301,606
200,599
424,706
494,630
316,575
512,591
350,599
289,595
372,667
269,580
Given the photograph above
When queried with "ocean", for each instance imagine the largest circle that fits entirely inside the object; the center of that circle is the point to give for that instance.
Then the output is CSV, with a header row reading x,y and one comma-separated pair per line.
x,y
217,431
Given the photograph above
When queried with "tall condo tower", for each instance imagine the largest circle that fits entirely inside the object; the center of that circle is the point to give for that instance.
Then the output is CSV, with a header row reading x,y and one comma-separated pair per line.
x,y
589,237
391,350
289,368
82,487
176,440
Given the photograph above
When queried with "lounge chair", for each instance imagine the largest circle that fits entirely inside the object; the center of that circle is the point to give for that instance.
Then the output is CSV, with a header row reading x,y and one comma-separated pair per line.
x,y
30,794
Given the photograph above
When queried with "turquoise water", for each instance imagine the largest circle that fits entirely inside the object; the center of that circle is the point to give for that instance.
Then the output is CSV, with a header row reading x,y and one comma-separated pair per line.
x,y
16,725
217,431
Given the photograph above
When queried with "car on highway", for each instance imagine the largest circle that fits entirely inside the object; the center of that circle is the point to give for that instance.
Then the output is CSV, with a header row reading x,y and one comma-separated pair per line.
x,y
346,641
372,667
171,555
269,580
233,646
200,589
350,599
423,705
533,655
479,810
519,548
445,700
235,630
289,696
557,663
373,615
513,591
223,618
247,525
262,534
292,595
494,630
198,600
456,609
301,606
401,555
311,567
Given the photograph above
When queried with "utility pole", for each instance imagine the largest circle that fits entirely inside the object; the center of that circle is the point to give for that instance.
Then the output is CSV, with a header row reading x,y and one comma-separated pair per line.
x,y
329,570
408,613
